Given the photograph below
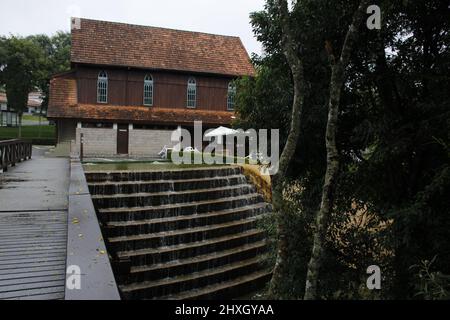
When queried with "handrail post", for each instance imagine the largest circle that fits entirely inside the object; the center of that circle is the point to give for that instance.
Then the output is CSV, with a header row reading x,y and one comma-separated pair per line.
x,y
81,147
14,151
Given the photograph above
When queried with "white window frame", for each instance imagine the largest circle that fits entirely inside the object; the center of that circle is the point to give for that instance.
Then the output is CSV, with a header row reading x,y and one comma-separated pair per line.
x,y
231,96
191,102
102,87
148,90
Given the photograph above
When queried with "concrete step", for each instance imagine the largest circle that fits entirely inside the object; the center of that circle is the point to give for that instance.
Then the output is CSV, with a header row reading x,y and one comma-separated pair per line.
x,y
135,227
198,263
177,210
175,237
176,174
129,187
161,198
225,290
169,286
150,256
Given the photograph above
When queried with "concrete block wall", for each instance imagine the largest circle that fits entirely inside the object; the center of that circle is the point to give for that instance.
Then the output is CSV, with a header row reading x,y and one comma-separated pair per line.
x,y
98,142
148,143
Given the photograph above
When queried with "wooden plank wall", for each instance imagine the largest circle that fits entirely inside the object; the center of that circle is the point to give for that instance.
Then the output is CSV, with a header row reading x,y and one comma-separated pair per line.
x,y
170,89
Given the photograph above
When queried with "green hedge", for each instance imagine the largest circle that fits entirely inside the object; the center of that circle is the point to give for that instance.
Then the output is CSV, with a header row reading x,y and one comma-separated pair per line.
x,y
47,134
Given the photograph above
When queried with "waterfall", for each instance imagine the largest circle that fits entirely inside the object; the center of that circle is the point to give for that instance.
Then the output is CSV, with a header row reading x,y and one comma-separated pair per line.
x,y
182,234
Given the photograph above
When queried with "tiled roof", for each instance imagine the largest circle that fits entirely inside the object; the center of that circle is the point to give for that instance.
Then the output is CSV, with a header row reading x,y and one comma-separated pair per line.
x,y
63,92
109,43
34,99
63,104
136,114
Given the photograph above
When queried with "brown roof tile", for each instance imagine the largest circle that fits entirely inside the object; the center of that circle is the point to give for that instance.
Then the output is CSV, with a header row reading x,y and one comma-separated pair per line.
x,y
118,44
34,99
63,91
134,114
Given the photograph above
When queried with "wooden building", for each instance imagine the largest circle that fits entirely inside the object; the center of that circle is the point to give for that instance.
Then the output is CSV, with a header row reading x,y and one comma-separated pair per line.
x,y
130,86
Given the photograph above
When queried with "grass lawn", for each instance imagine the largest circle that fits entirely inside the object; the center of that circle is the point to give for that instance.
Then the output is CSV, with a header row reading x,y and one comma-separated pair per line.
x,y
28,132
30,117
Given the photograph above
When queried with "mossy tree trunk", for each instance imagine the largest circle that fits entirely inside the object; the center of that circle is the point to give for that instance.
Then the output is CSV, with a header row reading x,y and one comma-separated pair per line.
x,y
338,67
296,66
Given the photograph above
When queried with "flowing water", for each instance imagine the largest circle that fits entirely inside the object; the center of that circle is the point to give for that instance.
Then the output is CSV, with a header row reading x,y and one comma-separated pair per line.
x,y
182,234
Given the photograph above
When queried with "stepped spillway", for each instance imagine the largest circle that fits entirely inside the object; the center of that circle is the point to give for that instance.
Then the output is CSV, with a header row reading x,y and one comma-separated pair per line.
x,y
182,234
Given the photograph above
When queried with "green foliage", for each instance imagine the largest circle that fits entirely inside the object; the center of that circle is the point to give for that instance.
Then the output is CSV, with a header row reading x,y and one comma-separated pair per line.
x,y
393,139
28,132
57,59
21,64
431,285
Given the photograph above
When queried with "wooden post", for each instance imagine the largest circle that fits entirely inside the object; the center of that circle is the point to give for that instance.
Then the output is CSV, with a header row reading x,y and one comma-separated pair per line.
x,y
81,146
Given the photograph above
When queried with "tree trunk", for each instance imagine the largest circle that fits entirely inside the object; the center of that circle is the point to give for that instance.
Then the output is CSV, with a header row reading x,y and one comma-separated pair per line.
x,y
40,117
296,67
329,186
20,126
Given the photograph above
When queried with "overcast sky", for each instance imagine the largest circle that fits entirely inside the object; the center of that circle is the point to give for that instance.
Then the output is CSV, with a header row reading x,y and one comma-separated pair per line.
x,y
227,17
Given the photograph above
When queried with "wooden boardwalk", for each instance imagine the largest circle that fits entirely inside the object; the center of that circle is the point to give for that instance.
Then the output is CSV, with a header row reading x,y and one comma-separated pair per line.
x,y
33,228
33,255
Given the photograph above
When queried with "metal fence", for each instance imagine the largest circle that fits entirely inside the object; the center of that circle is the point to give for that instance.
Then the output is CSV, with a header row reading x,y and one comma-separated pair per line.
x,y
9,119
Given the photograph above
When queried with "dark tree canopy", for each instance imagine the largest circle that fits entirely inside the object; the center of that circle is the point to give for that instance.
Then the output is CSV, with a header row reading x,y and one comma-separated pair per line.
x,y
393,139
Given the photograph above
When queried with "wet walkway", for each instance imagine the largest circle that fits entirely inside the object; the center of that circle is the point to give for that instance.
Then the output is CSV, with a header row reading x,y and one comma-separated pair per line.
x,y
33,228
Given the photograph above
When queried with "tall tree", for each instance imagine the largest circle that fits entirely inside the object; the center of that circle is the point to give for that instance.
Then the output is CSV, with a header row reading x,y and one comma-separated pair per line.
x,y
56,50
21,63
290,51
338,68
392,140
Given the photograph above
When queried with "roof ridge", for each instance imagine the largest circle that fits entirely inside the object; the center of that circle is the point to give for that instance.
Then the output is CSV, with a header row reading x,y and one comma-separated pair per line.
x,y
162,28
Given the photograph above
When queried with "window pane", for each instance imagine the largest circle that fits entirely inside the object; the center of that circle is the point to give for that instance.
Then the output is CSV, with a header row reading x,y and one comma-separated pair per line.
x,y
102,87
148,91
191,93
231,97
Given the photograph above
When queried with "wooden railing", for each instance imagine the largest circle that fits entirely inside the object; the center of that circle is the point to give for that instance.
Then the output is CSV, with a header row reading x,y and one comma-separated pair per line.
x,y
14,151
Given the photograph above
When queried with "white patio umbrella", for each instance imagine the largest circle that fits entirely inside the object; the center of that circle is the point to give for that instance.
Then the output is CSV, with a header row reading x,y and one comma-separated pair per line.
x,y
220,132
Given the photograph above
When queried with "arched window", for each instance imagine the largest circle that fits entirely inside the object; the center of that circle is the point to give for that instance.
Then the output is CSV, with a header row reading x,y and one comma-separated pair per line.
x,y
231,96
102,87
148,90
192,93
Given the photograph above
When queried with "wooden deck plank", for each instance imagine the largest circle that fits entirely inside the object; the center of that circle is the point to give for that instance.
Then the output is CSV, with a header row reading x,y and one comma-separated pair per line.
x,y
19,266
33,272
24,262
33,228
33,255
27,257
22,294
48,296
41,279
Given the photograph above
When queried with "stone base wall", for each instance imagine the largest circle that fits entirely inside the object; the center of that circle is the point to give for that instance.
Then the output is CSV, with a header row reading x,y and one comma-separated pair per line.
x,y
100,142
148,143
97,142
